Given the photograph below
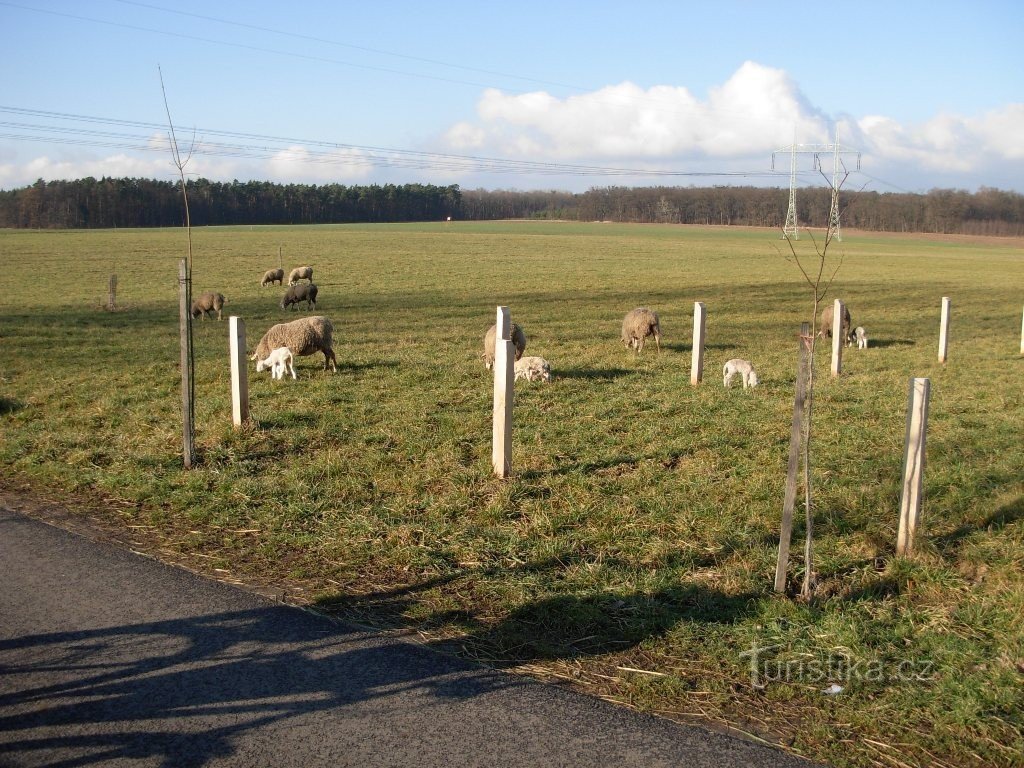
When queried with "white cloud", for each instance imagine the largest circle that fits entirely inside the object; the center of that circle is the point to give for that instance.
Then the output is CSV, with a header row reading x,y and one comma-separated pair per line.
x,y
299,163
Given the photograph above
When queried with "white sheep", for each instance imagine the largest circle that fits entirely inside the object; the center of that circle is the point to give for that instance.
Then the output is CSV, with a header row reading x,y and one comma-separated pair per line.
x,y
279,361
743,368
637,325
300,273
862,337
533,368
304,336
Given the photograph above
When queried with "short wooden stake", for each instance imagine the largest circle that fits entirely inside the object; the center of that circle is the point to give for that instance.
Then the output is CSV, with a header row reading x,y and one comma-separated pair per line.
x,y
944,330
239,372
112,293
792,471
1022,334
913,464
188,408
699,327
838,337
504,382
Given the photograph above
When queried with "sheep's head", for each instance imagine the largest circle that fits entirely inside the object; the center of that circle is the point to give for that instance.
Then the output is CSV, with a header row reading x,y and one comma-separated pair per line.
x,y
261,365
752,380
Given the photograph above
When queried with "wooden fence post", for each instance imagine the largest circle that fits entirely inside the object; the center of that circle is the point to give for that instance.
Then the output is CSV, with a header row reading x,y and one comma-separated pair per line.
x,y
112,293
913,464
699,328
792,471
838,337
504,382
1022,334
187,380
944,330
239,372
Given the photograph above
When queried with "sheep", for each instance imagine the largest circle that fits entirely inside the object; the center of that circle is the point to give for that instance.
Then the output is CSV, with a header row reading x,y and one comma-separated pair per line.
x,y
272,276
825,326
300,292
862,337
637,325
300,273
743,368
533,368
208,302
303,337
279,361
518,340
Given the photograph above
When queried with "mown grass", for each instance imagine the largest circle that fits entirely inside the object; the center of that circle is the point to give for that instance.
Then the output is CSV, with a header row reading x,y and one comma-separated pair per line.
x,y
639,531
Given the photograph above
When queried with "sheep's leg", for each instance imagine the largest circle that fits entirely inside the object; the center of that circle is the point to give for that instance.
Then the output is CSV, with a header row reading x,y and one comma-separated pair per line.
x,y
330,358
657,341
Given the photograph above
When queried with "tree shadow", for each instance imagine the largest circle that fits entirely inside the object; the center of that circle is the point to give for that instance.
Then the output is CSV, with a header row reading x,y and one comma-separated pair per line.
x,y
184,691
1001,517
9,405
593,373
886,343
683,347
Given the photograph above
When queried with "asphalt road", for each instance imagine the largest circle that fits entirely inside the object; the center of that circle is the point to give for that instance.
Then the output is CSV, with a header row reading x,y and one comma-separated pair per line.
x,y
108,658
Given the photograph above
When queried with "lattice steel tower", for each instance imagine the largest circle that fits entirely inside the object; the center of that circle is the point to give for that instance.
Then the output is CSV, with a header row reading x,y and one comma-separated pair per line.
x,y
791,228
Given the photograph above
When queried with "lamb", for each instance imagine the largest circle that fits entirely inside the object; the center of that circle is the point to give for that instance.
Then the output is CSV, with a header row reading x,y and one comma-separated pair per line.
x,y
533,368
272,276
862,337
303,337
208,303
825,326
300,292
300,273
518,340
279,361
743,368
637,326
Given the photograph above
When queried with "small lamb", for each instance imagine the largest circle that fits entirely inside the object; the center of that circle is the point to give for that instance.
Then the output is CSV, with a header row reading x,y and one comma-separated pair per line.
x,y
862,337
742,367
533,368
279,361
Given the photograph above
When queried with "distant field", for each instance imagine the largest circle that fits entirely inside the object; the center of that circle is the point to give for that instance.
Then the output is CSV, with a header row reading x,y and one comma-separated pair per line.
x,y
640,529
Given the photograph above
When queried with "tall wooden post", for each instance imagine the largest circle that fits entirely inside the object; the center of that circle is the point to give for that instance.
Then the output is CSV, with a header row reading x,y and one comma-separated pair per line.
x,y
239,372
792,472
112,293
944,330
1022,334
504,382
187,374
838,337
913,464
699,327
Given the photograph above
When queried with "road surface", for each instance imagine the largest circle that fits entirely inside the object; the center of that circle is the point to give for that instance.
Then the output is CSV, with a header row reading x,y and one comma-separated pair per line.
x,y
109,658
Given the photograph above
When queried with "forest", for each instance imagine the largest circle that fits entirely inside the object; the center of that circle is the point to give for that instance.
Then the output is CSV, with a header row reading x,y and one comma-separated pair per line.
x,y
91,203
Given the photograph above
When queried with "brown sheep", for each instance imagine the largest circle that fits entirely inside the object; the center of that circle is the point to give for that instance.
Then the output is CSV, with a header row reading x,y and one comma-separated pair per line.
x,y
518,341
825,324
208,303
637,325
272,276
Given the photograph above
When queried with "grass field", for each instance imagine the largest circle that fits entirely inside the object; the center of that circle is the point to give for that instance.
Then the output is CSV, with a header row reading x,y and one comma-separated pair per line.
x,y
632,553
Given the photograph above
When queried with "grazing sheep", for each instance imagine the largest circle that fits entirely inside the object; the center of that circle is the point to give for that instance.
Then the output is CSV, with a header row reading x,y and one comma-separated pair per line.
x,y
637,326
279,361
272,276
208,303
743,368
300,292
300,273
825,326
533,368
518,340
303,337
862,337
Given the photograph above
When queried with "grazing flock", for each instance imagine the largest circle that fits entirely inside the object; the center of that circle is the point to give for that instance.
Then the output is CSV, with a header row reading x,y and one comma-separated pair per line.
x,y
280,345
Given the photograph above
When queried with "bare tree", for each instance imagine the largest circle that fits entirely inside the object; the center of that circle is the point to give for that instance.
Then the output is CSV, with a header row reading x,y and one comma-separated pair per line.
x,y
819,270
188,387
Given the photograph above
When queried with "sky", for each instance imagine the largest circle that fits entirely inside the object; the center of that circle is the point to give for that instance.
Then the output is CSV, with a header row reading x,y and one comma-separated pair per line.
x,y
526,95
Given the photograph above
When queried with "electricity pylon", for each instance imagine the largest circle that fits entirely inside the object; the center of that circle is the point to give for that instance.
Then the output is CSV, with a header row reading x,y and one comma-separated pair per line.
x,y
791,229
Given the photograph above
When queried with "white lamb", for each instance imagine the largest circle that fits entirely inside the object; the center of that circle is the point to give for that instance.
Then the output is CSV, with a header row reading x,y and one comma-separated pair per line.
x,y
862,337
743,368
533,368
279,361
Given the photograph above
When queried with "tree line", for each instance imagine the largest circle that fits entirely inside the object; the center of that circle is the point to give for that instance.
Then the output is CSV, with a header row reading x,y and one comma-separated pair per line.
x,y
109,202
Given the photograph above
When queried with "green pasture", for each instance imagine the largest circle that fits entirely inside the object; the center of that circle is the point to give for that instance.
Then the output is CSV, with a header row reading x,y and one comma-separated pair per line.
x,y
633,551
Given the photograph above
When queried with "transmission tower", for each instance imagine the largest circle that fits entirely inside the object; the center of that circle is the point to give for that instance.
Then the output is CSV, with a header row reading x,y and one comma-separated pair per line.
x,y
816,150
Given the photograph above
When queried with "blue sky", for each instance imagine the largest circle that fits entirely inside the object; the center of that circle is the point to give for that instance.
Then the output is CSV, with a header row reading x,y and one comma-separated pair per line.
x,y
527,95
